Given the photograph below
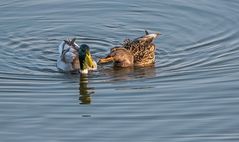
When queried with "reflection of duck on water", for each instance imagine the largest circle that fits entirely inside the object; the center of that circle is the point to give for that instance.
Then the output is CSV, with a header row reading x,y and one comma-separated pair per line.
x,y
120,74
84,91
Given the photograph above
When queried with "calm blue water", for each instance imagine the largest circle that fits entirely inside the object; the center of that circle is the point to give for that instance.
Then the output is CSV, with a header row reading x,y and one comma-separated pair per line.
x,y
190,95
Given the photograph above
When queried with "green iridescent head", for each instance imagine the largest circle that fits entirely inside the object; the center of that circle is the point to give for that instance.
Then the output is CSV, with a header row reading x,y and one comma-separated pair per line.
x,y
86,60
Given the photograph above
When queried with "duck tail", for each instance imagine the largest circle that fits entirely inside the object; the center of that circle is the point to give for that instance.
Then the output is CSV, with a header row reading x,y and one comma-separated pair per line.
x,y
154,35
61,47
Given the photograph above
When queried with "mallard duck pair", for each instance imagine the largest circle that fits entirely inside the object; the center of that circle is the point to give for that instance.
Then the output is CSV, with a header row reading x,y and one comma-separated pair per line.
x,y
138,52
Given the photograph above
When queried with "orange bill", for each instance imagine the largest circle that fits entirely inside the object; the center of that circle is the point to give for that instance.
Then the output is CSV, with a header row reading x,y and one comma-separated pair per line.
x,y
106,60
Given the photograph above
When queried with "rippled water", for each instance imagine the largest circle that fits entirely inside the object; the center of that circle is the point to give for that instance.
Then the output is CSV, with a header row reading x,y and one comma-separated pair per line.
x,y
190,95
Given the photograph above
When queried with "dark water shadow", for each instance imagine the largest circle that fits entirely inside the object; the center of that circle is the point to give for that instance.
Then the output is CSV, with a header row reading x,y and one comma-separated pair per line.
x,y
131,73
85,92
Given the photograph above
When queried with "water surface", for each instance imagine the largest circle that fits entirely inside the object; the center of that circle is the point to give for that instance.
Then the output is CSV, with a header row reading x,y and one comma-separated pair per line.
x,y
189,95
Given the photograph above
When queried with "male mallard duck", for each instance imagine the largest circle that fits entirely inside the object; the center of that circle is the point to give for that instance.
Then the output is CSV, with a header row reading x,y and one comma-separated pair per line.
x,y
75,58
138,52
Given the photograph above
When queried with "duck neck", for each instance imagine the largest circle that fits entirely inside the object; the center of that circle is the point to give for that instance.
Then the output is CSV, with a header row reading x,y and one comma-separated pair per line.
x,y
124,62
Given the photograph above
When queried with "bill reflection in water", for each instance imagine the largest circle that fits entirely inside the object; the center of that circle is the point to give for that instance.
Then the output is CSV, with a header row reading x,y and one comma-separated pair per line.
x,y
84,91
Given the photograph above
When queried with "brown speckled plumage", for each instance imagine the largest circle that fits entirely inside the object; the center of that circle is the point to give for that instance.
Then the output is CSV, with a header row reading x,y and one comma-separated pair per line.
x,y
141,49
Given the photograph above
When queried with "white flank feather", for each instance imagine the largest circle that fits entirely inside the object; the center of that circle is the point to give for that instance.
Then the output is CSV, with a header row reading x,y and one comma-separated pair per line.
x,y
68,55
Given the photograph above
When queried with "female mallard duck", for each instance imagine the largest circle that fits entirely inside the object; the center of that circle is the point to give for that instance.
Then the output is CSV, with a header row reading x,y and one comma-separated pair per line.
x,y
138,52
74,58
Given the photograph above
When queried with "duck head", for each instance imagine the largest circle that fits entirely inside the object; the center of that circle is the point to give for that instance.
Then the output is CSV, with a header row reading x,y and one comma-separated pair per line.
x,y
86,60
121,57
